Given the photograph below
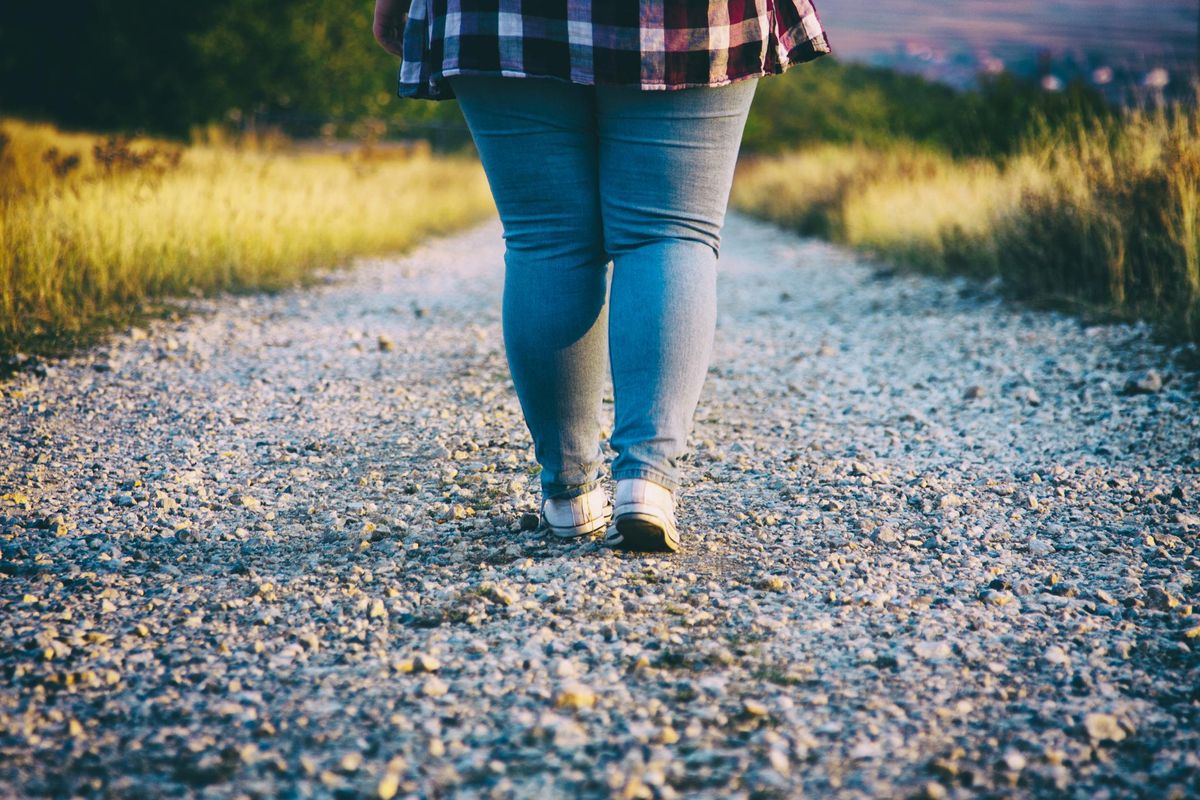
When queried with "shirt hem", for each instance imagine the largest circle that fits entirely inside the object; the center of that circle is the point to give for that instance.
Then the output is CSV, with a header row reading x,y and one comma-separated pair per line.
x,y
438,88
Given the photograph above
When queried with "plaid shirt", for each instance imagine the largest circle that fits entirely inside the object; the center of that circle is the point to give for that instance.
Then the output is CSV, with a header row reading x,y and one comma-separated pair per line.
x,y
651,44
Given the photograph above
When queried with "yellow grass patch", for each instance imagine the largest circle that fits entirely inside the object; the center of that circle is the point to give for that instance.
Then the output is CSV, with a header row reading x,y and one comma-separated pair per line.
x,y
91,227
1101,218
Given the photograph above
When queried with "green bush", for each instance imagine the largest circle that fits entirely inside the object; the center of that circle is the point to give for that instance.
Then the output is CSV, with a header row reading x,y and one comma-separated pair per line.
x,y
827,101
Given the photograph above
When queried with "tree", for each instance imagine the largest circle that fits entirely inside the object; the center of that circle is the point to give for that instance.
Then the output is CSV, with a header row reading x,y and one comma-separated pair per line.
x,y
165,67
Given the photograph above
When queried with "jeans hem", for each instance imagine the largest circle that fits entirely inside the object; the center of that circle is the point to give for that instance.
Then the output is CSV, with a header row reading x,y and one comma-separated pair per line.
x,y
650,474
559,491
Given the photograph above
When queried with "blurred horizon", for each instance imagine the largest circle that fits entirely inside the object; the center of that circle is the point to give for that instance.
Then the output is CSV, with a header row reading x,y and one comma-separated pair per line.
x,y
953,41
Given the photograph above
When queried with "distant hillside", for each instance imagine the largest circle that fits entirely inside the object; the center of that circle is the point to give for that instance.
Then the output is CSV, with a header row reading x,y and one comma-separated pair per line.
x,y
952,40
1145,27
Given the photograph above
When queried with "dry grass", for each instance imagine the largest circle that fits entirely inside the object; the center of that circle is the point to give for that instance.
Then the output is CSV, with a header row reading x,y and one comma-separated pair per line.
x,y
1116,224
92,228
811,190
1101,218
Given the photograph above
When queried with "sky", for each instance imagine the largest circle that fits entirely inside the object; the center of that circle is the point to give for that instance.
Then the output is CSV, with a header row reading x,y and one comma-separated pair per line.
x,y
1134,30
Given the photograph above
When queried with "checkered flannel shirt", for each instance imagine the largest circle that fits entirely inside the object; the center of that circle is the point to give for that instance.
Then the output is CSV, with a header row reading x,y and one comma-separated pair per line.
x,y
651,44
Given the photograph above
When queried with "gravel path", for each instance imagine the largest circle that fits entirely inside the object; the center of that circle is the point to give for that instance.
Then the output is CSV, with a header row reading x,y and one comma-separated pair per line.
x,y
934,545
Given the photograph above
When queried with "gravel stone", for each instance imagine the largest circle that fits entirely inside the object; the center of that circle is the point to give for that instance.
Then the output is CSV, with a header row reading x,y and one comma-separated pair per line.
x,y
576,695
1103,727
324,576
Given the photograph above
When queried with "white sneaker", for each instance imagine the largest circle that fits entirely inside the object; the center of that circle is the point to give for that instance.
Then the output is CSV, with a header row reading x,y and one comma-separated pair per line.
x,y
577,516
643,518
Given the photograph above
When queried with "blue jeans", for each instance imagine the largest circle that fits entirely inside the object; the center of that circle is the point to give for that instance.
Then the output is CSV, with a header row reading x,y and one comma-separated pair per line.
x,y
583,177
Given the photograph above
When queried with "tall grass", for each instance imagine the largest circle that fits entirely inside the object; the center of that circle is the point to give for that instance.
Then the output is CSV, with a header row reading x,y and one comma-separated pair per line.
x,y
1102,215
1116,225
91,228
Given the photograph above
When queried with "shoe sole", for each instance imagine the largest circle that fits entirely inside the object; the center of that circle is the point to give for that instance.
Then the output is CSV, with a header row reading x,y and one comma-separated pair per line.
x,y
641,533
591,526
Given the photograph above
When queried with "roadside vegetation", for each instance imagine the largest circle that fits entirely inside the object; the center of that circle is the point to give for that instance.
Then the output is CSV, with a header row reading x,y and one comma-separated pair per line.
x,y
1068,202
1064,199
95,231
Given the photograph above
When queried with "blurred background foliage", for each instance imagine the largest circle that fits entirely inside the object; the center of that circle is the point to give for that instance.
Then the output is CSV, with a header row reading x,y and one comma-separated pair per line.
x,y
829,101
165,68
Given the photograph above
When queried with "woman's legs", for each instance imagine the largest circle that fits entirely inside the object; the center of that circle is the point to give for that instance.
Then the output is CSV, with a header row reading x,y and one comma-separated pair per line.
x,y
581,175
537,140
666,166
